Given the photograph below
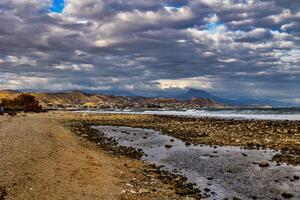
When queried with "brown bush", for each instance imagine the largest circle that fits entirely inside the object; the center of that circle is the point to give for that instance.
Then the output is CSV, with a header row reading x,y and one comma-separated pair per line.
x,y
23,102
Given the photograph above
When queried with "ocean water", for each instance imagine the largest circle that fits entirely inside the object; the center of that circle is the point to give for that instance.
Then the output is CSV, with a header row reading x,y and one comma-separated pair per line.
x,y
292,114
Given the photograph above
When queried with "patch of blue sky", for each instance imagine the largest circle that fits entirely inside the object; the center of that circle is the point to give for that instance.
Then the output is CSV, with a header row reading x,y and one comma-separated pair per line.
x,y
214,27
57,6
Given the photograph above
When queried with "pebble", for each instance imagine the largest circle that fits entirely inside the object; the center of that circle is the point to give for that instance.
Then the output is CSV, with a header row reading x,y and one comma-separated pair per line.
x,y
244,154
264,163
132,192
133,170
287,195
142,190
187,143
129,185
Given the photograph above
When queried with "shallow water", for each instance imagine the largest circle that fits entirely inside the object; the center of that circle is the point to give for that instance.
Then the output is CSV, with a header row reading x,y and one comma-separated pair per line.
x,y
225,171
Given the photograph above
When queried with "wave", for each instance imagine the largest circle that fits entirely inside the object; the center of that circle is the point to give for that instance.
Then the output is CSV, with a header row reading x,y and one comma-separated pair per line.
x,y
258,114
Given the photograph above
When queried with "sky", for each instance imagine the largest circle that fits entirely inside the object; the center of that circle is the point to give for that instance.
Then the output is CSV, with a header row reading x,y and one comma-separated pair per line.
x,y
232,48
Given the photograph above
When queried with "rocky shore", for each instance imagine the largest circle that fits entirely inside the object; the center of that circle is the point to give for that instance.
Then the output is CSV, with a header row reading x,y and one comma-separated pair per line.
x,y
84,129
258,134
41,159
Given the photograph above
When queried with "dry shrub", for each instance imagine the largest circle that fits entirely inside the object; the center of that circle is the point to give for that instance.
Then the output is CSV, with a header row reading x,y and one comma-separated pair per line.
x,y
23,102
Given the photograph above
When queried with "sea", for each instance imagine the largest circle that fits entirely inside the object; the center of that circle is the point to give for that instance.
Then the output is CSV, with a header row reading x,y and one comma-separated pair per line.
x,y
292,114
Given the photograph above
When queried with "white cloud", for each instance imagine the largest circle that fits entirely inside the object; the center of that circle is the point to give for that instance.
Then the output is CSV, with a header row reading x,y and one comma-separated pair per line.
x,y
75,67
195,82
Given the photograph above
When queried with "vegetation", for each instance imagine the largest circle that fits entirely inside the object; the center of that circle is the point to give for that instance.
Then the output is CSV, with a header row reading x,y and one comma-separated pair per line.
x,y
23,102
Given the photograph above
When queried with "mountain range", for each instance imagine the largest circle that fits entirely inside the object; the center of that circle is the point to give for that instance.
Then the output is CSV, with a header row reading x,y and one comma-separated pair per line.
x,y
180,96
79,99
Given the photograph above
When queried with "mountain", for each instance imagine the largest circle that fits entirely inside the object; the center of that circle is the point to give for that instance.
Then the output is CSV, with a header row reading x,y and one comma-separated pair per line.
x,y
263,101
8,94
110,92
243,101
79,99
194,93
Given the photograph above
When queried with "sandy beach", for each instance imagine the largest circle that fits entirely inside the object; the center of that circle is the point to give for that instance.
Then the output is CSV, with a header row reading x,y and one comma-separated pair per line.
x,y
40,159
57,155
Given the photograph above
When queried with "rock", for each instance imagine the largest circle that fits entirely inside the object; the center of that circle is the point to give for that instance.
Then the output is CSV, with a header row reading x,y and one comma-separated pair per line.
x,y
129,185
3,193
142,190
133,170
236,198
187,143
264,163
287,195
168,146
132,192
296,177
244,154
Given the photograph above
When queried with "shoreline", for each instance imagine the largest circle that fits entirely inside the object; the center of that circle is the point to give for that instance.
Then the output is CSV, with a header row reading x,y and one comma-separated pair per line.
x,y
84,129
283,136
203,113
41,159
64,145
119,121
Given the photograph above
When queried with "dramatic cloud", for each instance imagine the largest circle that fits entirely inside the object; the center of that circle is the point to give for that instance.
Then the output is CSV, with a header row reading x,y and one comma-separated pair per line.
x,y
230,47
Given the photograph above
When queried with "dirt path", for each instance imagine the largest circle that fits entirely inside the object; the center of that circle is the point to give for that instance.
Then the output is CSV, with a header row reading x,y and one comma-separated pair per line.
x,y
39,159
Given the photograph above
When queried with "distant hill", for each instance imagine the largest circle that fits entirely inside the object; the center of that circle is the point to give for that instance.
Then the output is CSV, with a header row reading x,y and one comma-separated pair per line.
x,y
194,93
110,92
8,94
76,99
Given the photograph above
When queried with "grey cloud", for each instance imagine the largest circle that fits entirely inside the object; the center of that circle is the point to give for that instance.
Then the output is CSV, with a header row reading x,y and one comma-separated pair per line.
x,y
131,45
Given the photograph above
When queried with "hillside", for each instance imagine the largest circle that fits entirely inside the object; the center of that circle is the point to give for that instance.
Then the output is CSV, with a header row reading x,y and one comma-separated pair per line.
x,y
7,94
78,99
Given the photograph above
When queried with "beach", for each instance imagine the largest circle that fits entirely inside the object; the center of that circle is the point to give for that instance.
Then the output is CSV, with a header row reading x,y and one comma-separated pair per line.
x,y
58,155
41,159
280,135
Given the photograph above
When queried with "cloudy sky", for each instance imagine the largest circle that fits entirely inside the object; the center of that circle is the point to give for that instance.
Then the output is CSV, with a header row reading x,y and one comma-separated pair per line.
x,y
228,47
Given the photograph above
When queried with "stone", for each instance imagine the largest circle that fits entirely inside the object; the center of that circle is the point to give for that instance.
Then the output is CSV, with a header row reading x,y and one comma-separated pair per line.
x,y
244,154
287,195
129,185
187,143
264,163
133,170
236,198
142,190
